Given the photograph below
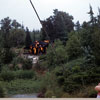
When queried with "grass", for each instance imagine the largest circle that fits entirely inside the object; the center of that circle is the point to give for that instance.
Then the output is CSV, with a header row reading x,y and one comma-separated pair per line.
x,y
21,86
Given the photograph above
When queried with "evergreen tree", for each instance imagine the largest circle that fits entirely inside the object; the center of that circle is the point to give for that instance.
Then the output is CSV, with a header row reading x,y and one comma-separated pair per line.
x,y
92,18
77,26
5,31
28,40
73,46
58,26
98,18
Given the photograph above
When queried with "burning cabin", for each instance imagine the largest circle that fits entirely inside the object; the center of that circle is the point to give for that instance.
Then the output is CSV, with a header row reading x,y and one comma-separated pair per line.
x,y
38,47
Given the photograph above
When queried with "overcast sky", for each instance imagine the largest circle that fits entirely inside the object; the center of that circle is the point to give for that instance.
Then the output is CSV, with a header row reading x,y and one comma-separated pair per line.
x,y
22,11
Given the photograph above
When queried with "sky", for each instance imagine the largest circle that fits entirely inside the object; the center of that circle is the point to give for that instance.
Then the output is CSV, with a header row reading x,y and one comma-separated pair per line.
x,y
22,11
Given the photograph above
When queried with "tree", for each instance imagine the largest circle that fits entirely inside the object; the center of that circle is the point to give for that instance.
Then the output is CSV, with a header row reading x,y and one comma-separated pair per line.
x,y
73,46
15,24
17,37
77,26
36,35
58,25
93,19
12,33
96,43
5,30
98,18
28,40
6,56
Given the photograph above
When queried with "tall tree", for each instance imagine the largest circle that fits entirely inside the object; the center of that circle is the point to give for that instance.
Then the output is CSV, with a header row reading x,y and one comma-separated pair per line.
x,y
96,45
58,25
28,40
11,32
17,37
73,46
36,35
92,18
5,30
77,26
15,24
98,17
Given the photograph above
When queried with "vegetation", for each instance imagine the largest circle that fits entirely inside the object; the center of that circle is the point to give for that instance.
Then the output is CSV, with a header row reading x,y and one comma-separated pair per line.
x,y
2,90
71,68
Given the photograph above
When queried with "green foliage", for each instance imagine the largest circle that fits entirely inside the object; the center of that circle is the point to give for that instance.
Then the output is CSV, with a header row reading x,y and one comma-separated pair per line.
x,y
96,43
36,35
86,92
17,37
86,39
49,94
27,65
73,47
7,75
66,95
21,86
12,33
2,91
17,60
58,25
70,70
70,86
28,40
55,56
24,74
77,26
6,55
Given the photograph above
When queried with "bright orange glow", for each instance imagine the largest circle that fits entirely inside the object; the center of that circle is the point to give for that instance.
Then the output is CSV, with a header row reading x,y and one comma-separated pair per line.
x,y
47,41
34,50
31,47
41,48
37,47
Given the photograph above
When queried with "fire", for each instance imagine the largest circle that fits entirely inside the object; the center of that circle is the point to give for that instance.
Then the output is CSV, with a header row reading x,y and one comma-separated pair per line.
x,y
39,47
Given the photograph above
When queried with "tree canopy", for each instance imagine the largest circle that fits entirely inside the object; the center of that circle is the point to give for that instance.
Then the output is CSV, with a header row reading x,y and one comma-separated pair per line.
x,y
58,25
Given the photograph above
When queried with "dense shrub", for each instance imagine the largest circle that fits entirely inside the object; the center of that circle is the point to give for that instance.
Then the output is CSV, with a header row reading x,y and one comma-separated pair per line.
x,y
27,64
86,92
49,94
24,74
66,95
21,86
2,91
6,56
70,86
16,61
7,75
73,46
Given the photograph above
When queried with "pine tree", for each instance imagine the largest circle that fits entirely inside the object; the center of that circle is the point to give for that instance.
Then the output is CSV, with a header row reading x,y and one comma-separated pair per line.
x,y
77,26
92,19
28,40
98,17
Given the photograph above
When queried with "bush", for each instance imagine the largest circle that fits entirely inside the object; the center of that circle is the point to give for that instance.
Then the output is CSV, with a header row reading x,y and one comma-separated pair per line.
x,y
66,95
60,80
24,74
49,94
27,64
87,92
58,91
73,46
23,86
7,75
70,86
2,91
6,56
